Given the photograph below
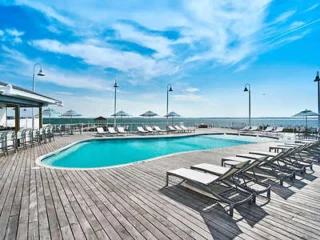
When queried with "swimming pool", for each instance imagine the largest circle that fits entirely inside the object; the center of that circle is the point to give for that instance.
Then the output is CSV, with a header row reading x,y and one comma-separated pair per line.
x,y
113,152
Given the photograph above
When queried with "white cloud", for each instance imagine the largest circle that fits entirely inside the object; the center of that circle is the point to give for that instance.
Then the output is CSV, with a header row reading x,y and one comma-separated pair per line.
x,y
284,16
314,6
160,44
296,24
11,35
1,33
108,57
191,90
48,11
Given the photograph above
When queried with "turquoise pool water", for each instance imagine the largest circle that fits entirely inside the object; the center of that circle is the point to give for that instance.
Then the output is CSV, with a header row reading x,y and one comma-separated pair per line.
x,y
106,153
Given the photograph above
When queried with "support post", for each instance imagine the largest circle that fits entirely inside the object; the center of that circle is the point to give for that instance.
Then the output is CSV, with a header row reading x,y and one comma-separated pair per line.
x,y
40,117
17,118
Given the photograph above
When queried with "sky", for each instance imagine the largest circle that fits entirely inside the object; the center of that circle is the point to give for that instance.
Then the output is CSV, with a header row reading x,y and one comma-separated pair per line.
x,y
207,50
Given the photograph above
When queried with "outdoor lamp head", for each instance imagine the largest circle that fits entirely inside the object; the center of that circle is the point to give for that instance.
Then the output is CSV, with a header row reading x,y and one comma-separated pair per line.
x,y
245,89
40,73
170,89
115,85
317,79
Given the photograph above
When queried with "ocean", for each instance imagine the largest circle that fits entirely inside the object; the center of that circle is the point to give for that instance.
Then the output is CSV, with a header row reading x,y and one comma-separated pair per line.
x,y
191,122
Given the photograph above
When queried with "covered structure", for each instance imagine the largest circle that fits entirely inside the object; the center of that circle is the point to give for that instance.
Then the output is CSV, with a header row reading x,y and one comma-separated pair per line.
x,y
17,97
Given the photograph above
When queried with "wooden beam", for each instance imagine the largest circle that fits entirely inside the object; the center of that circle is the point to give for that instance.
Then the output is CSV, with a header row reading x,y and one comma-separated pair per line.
x,y
17,118
40,117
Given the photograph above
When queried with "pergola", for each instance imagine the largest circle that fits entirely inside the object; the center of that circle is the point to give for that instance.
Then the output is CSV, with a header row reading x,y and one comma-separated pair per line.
x,y
17,97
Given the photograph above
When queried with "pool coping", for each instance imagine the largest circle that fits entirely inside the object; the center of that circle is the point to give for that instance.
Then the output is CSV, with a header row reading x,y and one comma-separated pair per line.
x,y
39,159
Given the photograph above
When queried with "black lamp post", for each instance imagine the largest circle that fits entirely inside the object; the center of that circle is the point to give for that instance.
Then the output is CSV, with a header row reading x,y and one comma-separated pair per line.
x,y
317,79
247,88
115,102
169,89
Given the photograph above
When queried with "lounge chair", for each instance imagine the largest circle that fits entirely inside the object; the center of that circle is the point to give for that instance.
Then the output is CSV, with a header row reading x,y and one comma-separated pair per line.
x,y
100,131
121,130
141,130
149,129
268,130
179,129
159,130
255,128
187,129
217,186
245,129
112,131
172,129
278,129
271,165
242,180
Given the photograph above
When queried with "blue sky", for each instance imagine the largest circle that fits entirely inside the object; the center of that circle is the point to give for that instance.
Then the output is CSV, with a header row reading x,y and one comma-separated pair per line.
x,y
206,49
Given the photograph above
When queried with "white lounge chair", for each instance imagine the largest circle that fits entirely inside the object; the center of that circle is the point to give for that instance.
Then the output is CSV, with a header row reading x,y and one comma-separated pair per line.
x,y
141,130
217,186
112,131
179,128
245,129
172,129
121,130
268,129
187,129
159,130
279,129
100,131
255,128
149,129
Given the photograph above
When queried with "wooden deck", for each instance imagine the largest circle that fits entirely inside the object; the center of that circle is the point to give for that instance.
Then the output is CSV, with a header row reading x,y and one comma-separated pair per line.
x,y
129,202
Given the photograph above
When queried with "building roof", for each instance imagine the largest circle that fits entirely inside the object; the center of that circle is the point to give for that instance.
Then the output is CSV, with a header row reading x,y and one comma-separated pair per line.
x,y
12,95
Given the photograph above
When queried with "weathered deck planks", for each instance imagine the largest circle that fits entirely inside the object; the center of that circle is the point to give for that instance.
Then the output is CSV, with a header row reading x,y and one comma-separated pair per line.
x,y
129,202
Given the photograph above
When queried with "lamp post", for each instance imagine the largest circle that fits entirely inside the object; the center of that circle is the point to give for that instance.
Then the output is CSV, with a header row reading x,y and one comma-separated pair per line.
x,y
317,79
247,88
115,102
41,74
169,89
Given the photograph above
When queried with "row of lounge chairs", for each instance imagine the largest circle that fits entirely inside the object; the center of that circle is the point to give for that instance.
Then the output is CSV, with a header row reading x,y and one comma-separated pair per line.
x,y
157,129
24,138
257,129
236,181
111,131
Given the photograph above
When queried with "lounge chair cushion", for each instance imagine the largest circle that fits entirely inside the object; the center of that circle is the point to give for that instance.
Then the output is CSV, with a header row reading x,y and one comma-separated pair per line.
x,y
189,174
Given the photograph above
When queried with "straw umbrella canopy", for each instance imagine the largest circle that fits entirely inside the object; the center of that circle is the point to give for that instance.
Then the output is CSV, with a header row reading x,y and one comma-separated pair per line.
x,y
306,113
100,118
172,115
49,112
121,114
71,113
149,114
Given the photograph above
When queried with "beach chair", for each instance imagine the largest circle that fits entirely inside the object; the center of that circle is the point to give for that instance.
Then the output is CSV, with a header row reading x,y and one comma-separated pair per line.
x,y
254,128
278,130
268,130
28,137
242,179
271,166
189,130
245,129
140,130
112,131
216,186
149,129
172,129
35,137
100,131
179,129
159,130
2,142
121,130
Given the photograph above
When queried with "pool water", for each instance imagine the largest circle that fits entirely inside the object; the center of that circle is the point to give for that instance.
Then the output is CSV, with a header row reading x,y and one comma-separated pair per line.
x,y
106,153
